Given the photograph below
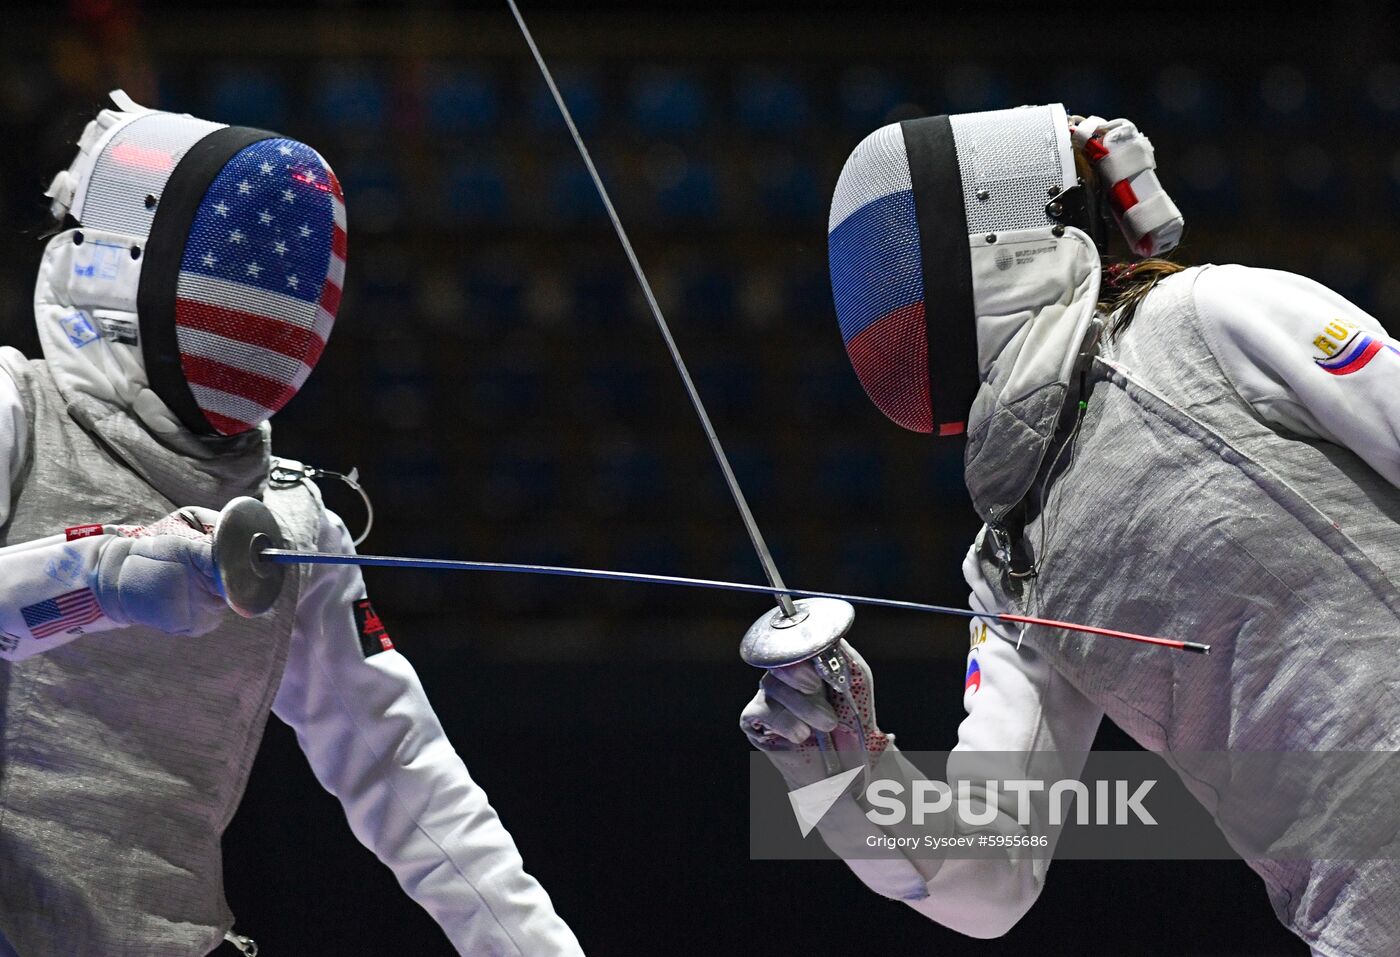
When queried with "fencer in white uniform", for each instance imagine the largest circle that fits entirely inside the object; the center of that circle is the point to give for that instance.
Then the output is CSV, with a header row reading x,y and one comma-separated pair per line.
x,y
1209,453
187,294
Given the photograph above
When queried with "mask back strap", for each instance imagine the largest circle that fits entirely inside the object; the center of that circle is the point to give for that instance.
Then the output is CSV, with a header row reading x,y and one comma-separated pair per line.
x,y
949,318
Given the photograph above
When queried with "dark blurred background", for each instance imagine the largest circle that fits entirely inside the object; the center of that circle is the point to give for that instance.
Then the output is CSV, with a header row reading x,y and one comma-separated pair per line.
x,y
495,377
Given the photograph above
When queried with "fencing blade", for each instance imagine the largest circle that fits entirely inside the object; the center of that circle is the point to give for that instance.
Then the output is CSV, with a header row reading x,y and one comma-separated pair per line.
x,y
760,546
285,556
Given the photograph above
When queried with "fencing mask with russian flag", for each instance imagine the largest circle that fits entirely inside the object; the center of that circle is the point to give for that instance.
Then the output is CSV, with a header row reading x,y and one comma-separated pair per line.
x,y
953,238
198,269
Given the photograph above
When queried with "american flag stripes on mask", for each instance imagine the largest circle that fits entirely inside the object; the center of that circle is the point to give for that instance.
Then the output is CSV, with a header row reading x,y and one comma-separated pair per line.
x,y
260,282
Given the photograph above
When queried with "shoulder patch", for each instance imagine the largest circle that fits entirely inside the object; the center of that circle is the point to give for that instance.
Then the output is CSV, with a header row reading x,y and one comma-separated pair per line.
x,y
373,637
972,681
1354,356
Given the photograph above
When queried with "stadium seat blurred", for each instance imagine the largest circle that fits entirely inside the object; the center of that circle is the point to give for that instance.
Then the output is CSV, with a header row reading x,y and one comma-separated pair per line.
x,y
826,386
708,295
650,550
943,473
753,466
970,87
350,97
1287,96
248,97
807,294
1203,181
666,102
503,392
581,93
849,472
462,101
770,102
870,560
373,188
618,386
790,189
601,294
625,474
474,191
1309,179
684,184
522,476
1343,267
728,384
1392,171
867,96
1087,91
494,294
1381,99
572,197
1183,96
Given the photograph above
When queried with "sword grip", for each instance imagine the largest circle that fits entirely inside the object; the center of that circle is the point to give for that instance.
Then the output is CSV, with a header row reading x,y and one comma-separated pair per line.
x,y
831,761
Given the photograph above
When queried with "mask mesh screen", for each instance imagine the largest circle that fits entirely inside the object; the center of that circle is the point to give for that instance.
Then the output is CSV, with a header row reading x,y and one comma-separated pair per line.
x,y
1015,156
136,163
260,282
877,278
1018,157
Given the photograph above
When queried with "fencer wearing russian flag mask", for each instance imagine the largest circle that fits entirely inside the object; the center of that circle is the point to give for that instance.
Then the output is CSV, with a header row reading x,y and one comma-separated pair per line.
x,y
1208,453
191,286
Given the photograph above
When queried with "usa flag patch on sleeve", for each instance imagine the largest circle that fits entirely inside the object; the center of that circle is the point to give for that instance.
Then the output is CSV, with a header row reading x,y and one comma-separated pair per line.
x,y
65,614
373,637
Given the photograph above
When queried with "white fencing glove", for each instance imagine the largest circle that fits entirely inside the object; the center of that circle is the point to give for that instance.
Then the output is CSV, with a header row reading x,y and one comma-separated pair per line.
x,y
794,702
162,575
95,578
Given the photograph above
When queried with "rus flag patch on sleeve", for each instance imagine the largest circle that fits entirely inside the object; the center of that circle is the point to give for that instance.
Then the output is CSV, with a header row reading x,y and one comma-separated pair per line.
x,y
373,637
973,680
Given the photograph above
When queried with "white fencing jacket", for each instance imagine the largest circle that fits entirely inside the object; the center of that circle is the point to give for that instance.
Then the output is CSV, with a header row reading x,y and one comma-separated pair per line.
x,y
1307,361
373,741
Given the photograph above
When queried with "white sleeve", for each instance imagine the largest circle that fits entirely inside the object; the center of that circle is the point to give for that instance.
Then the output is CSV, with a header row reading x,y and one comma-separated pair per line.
x,y
373,741
14,440
46,598
1016,703
1305,359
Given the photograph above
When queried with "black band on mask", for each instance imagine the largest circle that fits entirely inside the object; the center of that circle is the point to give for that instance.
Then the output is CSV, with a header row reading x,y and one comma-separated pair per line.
x,y
947,268
160,269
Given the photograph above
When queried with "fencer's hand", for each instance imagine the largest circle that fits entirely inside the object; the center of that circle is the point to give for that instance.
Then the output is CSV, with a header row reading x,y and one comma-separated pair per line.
x,y
791,703
162,575
794,702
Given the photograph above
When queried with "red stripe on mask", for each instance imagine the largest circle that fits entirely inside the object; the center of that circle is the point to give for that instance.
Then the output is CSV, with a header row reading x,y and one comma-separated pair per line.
x,y
271,334
268,393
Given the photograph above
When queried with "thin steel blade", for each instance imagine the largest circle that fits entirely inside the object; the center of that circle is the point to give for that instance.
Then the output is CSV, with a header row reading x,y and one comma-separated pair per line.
x,y
283,556
770,569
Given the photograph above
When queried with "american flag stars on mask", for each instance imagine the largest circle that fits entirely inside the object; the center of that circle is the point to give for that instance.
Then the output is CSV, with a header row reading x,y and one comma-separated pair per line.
x,y
260,282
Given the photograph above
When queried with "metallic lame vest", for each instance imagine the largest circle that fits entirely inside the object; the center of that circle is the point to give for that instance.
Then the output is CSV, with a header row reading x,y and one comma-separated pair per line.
x,y
1182,513
124,754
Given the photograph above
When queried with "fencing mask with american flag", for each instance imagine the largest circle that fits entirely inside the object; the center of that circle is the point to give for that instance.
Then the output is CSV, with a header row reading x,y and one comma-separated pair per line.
x,y
204,262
